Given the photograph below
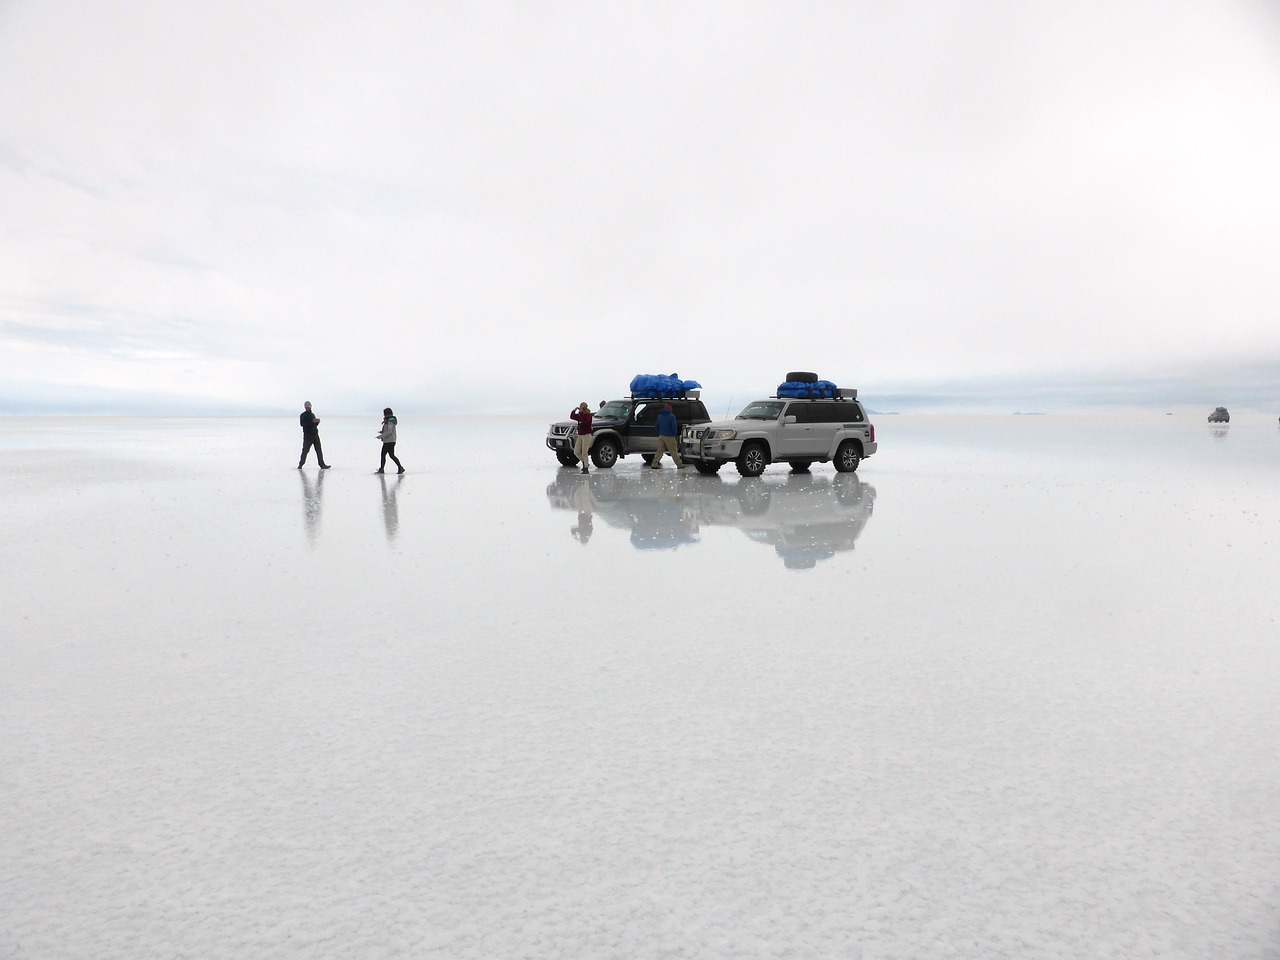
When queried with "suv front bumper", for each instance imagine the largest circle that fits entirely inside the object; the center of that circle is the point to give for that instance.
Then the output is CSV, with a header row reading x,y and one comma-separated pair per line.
x,y
694,447
561,442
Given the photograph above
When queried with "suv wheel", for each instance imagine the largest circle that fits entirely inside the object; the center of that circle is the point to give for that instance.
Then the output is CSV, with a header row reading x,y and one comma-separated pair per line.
x,y
801,466
708,469
566,458
605,453
752,460
848,457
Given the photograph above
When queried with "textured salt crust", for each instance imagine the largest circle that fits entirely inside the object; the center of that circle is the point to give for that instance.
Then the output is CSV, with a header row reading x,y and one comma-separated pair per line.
x,y
1026,709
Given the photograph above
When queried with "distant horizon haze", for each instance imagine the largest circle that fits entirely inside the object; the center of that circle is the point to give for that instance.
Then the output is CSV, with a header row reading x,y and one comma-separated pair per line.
x,y
220,208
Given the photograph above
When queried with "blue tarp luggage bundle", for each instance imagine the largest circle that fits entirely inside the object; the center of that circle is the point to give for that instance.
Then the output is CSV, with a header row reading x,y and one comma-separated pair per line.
x,y
660,385
806,390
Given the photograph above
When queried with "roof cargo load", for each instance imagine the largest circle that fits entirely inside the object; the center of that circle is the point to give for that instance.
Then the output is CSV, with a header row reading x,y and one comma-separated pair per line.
x,y
802,390
655,385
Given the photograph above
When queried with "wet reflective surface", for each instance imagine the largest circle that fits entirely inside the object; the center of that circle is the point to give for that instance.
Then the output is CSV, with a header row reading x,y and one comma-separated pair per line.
x,y
1010,688
804,517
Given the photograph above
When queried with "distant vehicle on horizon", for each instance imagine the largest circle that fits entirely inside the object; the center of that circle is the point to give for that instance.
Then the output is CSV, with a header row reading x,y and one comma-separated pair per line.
x,y
1219,415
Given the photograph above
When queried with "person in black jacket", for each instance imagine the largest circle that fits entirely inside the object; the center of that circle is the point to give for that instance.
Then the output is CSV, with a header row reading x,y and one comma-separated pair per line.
x,y
310,436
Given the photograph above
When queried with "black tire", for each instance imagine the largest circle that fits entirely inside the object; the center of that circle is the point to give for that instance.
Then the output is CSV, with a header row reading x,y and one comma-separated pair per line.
x,y
753,459
605,453
802,376
708,469
848,457
566,458
647,458
801,466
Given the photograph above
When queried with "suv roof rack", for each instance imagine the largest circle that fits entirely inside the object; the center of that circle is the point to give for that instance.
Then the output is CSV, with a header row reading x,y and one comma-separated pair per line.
x,y
684,395
842,393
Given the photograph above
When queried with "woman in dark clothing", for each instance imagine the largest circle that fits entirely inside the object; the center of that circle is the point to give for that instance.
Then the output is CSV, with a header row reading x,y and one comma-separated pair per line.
x,y
388,437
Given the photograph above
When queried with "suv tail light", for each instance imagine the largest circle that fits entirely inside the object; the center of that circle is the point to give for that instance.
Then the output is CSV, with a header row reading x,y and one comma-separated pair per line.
x,y
873,432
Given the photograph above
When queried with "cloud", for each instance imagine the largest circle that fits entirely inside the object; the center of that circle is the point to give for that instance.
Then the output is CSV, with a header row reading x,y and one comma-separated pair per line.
x,y
392,197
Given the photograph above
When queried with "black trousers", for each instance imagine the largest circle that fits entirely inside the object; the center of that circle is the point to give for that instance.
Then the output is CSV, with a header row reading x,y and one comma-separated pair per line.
x,y
308,442
389,450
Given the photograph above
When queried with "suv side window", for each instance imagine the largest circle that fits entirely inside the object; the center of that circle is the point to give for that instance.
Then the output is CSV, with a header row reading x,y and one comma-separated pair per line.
x,y
647,414
803,412
839,413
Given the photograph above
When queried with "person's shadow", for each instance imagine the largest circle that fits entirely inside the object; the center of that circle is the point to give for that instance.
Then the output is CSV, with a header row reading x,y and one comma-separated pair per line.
x,y
390,508
312,491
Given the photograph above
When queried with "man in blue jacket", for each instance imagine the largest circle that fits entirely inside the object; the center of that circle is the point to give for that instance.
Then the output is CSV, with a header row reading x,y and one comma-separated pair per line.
x,y
668,427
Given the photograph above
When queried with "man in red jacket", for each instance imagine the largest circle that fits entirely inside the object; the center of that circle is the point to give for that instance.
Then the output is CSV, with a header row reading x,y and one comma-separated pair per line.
x,y
582,445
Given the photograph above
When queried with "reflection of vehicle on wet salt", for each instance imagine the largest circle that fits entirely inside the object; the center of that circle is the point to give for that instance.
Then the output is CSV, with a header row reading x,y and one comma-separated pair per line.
x,y
652,507
805,518
808,518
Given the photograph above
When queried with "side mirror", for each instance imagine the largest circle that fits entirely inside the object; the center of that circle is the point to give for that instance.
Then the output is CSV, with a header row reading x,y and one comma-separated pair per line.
x,y
789,419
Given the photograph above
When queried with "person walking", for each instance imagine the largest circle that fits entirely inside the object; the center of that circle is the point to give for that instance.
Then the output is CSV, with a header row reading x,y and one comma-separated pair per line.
x,y
310,436
668,428
582,445
388,437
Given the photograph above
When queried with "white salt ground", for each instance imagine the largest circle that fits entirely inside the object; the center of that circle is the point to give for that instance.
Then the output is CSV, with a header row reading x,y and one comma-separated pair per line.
x,y
1009,692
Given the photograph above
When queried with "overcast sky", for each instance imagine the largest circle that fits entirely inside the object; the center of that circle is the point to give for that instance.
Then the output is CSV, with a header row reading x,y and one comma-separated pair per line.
x,y
237,206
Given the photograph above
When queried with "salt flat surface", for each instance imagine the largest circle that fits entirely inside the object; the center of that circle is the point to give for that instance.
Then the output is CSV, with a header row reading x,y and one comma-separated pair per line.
x,y
1009,692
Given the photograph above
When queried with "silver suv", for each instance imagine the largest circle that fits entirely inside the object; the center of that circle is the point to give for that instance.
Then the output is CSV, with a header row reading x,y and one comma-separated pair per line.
x,y
784,430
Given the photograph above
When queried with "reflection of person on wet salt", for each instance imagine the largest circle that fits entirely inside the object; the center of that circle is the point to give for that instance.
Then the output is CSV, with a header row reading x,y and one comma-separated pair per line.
x,y
390,508
582,503
662,524
311,493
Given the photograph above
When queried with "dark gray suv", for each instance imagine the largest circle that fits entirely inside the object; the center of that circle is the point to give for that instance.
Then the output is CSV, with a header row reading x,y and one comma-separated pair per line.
x,y
622,427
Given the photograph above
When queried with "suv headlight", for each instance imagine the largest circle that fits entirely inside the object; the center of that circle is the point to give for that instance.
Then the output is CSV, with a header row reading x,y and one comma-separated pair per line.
x,y
726,434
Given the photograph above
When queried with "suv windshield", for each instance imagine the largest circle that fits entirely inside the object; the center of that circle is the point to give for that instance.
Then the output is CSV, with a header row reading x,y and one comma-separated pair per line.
x,y
614,410
761,410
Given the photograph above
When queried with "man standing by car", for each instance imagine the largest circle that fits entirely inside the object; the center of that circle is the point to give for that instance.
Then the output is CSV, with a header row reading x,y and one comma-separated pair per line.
x,y
668,427
582,445
310,436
